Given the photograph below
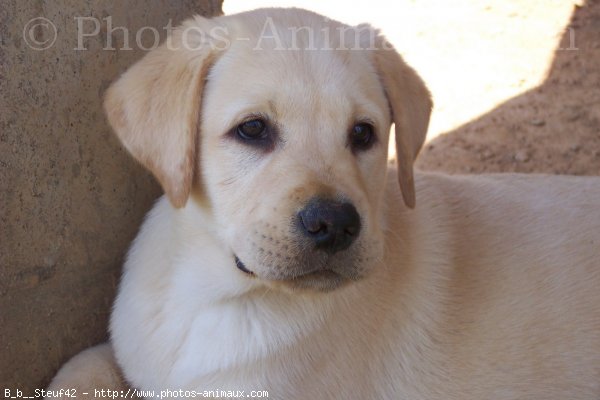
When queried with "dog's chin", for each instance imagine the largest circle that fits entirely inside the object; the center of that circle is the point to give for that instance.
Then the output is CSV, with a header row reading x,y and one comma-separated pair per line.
x,y
324,280
319,281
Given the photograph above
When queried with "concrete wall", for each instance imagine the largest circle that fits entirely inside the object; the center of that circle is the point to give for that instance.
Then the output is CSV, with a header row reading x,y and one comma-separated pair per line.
x,y
71,199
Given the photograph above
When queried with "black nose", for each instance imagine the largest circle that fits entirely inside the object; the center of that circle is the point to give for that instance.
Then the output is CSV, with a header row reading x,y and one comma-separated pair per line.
x,y
331,225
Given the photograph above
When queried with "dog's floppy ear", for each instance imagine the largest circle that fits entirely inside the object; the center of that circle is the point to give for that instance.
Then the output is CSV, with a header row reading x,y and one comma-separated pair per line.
x,y
154,107
410,104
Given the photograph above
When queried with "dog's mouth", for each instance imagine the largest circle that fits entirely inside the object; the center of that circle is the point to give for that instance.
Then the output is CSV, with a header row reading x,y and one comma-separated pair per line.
x,y
240,265
321,279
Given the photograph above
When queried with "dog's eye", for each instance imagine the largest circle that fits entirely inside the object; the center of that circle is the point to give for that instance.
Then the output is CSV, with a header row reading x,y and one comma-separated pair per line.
x,y
362,136
255,129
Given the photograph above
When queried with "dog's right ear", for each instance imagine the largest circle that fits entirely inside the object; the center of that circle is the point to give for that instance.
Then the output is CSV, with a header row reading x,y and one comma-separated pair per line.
x,y
154,106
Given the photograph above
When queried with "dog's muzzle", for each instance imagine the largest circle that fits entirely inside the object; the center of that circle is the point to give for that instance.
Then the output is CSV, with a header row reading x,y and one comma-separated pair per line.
x,y
324,230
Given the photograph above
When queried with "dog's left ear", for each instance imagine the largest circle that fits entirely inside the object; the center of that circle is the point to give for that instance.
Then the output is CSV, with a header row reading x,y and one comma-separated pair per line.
x,y
154,107
410,104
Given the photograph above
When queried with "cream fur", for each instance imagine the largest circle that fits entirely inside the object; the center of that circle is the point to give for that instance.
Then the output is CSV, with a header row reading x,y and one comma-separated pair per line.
x,y
487,289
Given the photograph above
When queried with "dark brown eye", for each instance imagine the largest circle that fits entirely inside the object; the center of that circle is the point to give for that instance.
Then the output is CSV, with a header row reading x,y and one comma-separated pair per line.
x,y
362,136
255,129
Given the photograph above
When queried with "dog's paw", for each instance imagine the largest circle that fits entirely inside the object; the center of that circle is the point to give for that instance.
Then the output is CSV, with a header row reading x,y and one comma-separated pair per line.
x,y
87,374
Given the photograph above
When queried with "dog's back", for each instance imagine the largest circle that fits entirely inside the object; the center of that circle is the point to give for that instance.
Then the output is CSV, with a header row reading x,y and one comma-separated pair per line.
x,y
504,274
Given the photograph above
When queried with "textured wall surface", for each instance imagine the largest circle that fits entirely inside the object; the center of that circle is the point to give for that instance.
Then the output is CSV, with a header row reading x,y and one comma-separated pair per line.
x,y
71,199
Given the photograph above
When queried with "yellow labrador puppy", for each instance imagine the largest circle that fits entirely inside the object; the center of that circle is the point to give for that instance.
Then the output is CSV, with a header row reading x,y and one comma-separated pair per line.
x,y
286,258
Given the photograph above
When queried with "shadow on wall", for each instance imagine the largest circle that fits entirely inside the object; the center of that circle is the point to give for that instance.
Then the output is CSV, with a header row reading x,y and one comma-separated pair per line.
x,y
71,199
554,128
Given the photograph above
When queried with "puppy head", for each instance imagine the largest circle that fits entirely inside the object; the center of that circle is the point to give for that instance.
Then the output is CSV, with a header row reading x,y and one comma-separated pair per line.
x,y
290,150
